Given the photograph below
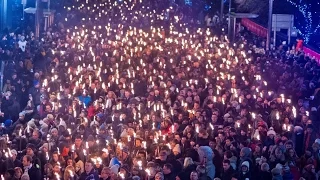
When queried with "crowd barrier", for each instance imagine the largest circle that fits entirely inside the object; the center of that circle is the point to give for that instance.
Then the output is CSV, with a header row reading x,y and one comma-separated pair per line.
x,y
262,32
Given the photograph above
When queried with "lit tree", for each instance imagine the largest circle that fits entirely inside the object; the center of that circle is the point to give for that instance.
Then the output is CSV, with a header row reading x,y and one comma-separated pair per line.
x,y
306,27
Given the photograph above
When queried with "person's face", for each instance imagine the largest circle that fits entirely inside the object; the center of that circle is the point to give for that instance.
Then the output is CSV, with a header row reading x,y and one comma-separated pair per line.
x,y
228,142
288,146
163,157
25,163
309,130
88,167
14,156
304,119
243,133
35,135
291,152
21,117
69,162
138,143
193,176
78,142
29,151
17,174
226,166
104,174
55,157
54,133
214,118
166,170
158,177
127,94
177,137
48,108
278,153
257,149
244,168
56,168
183,140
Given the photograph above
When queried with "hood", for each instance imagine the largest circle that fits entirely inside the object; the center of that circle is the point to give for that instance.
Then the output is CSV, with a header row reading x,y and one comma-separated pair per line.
x,y
233,159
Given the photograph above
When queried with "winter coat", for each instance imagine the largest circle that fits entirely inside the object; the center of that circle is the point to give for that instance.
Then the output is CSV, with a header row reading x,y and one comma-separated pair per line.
x,y
227,175
93,175
264,175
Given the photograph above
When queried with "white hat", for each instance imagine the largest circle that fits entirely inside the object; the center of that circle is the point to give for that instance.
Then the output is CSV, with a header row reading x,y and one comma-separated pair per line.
x,y
13,151
271,132
246,163
94,122
62,123
298,129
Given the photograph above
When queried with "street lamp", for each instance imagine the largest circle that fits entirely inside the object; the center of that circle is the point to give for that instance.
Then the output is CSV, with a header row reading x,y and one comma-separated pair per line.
x,y
229,21
269,25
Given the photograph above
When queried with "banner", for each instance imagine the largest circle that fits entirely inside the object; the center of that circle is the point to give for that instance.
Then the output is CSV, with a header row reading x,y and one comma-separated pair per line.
x,y
262,32
255,28
312,54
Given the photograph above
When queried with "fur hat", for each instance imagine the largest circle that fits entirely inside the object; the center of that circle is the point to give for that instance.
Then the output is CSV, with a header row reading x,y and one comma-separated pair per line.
x,y
271,132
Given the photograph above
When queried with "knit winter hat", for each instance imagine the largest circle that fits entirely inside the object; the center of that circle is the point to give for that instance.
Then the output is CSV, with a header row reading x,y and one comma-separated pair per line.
x,y
246,151
271,132
265,167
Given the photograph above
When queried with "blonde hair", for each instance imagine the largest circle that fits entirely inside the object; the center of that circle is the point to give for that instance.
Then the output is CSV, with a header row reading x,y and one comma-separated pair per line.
x,y
187,162
69,172
25,176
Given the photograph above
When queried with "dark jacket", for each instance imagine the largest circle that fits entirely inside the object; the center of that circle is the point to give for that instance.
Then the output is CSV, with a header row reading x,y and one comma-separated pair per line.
x,y
93,175
170,176
187,170
34,173
264,175
227,175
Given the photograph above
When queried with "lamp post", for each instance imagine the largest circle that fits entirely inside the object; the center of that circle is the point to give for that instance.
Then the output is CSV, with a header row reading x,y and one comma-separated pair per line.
x,y
269,25
23,2
221,10
229,19
37,27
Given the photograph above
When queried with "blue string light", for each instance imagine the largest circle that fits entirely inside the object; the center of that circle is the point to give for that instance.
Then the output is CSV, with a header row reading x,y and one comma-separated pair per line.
x,y
306,30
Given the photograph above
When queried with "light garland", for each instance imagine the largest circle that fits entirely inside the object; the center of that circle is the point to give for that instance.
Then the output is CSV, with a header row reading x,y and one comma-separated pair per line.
x,y
307,30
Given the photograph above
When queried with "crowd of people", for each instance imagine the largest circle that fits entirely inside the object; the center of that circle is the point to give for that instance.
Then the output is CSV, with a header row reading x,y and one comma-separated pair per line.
x,y
137,89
